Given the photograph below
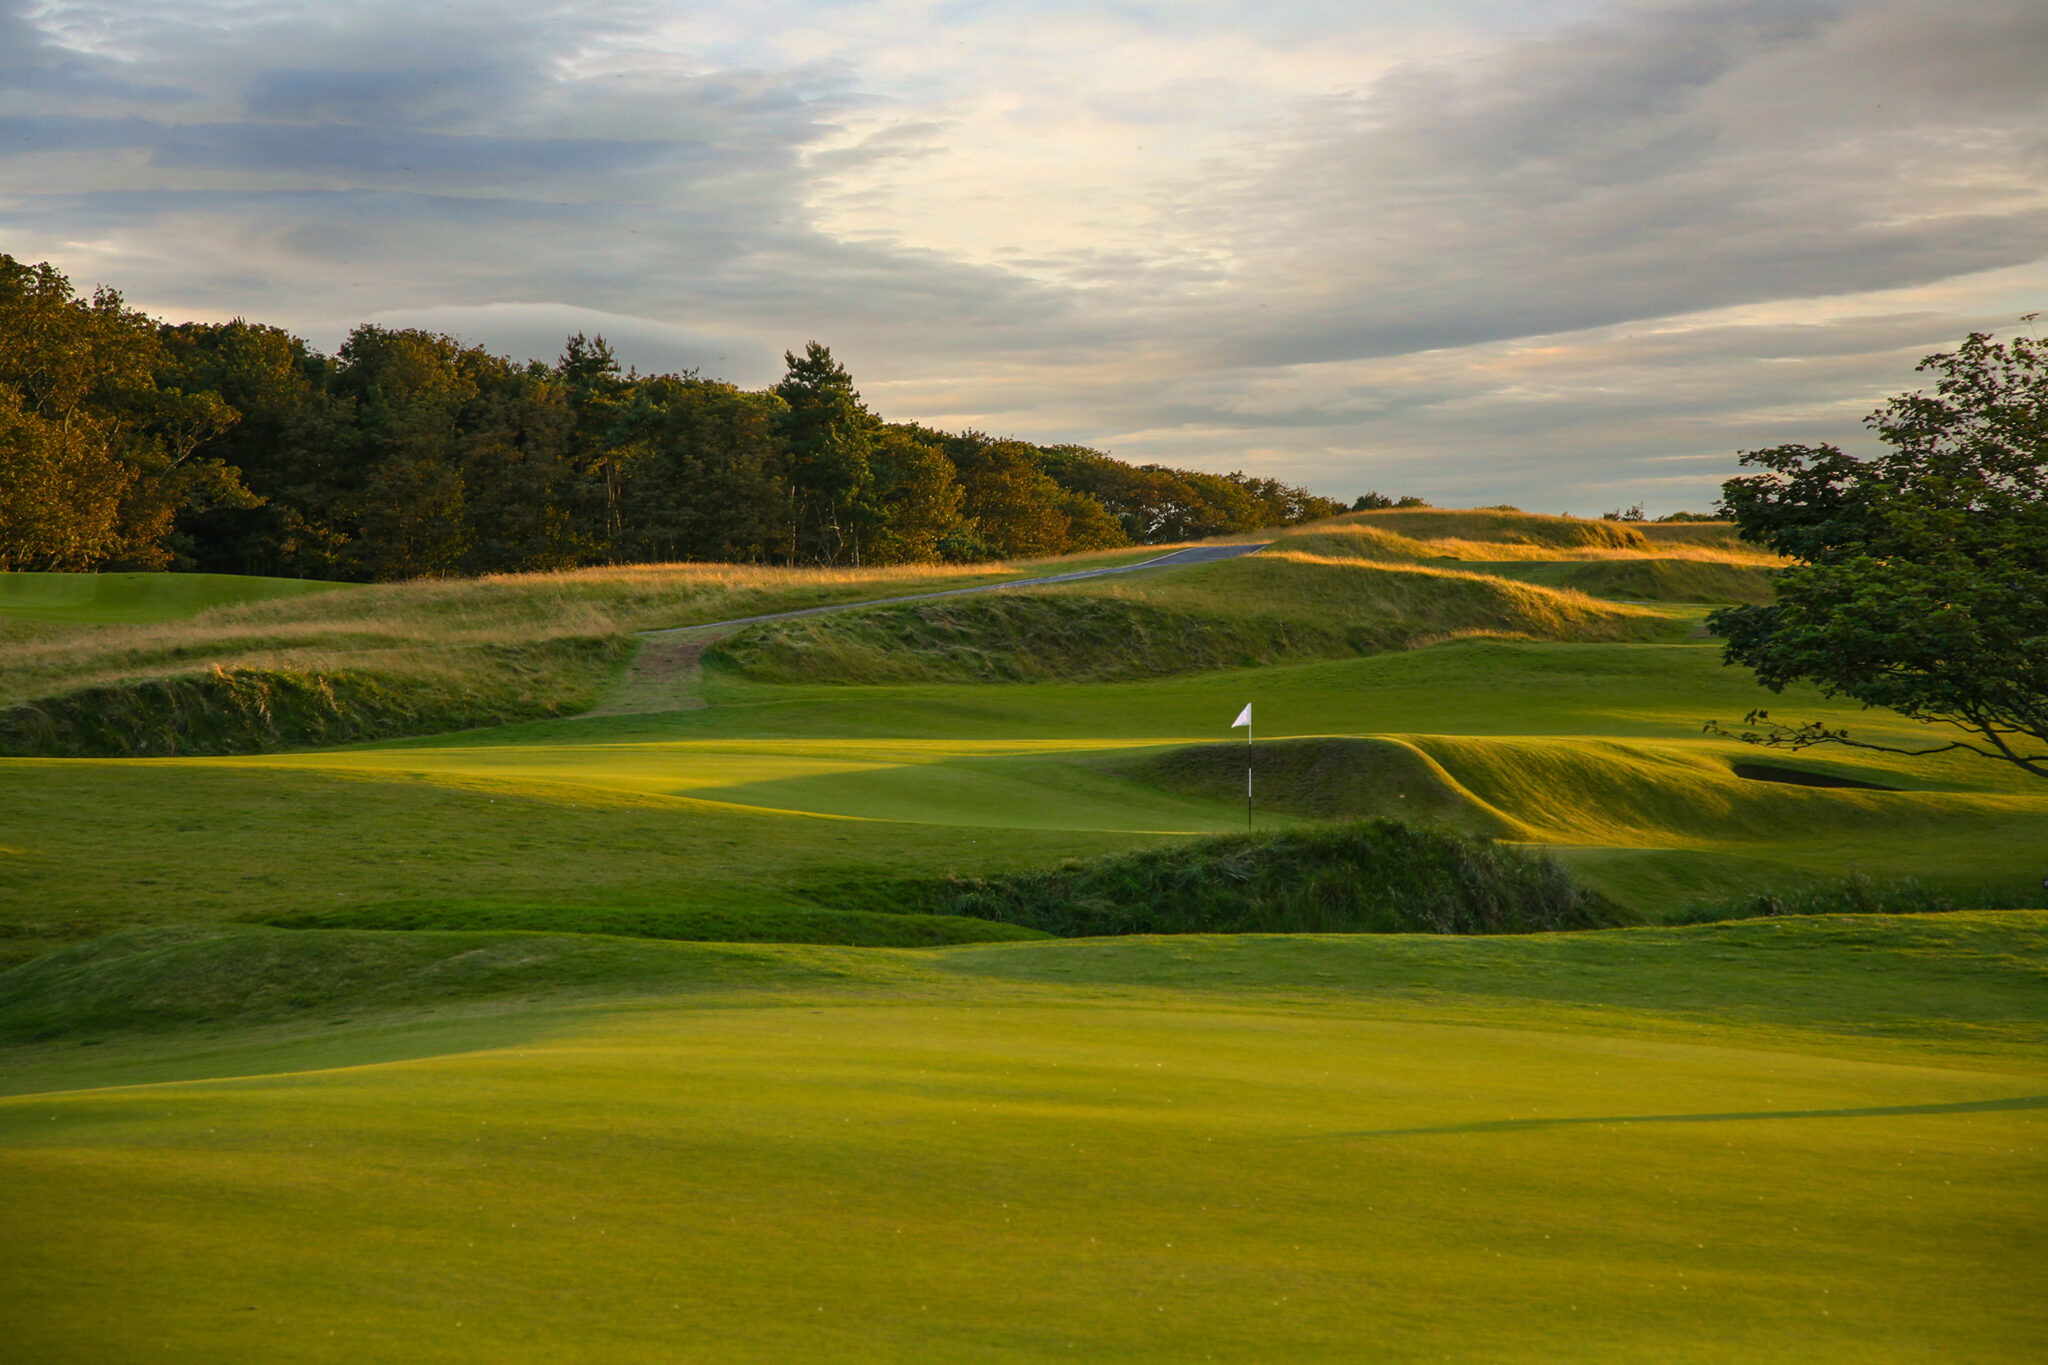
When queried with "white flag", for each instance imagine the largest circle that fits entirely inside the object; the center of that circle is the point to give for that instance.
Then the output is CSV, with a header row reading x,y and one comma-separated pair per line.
x,y
1244,717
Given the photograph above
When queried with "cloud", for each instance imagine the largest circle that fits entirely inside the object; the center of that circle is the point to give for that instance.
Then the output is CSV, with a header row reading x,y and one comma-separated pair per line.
x,y
1574,250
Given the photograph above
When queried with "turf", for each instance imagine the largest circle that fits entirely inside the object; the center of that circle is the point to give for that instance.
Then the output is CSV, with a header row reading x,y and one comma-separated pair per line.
x,y
103,599
1806,1140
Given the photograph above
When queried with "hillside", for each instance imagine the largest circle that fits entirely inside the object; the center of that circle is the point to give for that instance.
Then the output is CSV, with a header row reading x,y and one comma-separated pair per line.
x,y
236,673
1280,605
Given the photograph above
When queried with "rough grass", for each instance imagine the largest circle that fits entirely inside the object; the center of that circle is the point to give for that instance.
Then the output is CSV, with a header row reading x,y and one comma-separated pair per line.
x,y
408,658
1491,524
1672,580
1339,541
1271,608
1856,894
1379,876
1021,637
233,711
448,625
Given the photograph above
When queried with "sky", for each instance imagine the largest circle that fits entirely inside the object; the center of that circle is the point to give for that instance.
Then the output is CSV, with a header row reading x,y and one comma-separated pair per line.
x,y
1556,253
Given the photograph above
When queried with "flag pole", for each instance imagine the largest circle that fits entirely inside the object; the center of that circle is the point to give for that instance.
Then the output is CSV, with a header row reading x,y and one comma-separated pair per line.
x,y
1244,718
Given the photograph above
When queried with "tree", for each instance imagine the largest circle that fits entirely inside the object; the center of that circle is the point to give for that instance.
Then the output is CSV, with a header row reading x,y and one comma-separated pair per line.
x,y
830,436
98,435
919,494
1921,581
705,477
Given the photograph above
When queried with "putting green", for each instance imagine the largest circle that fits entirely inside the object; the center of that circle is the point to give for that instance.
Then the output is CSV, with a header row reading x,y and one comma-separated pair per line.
x,y
1557,1148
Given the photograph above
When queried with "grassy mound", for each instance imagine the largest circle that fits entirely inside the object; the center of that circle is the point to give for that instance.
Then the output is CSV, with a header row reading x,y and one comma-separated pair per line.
x,y
1671,580
179,976
1513,528
231,711
1237,613
1021,637
1376,877
852,928
1327,779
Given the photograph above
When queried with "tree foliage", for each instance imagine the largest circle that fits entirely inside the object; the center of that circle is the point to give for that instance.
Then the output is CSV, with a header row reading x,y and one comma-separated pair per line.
x,y
238,448
1922,576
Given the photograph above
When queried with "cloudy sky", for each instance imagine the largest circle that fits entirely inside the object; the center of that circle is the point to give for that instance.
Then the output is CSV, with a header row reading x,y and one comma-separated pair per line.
x,y
1560,253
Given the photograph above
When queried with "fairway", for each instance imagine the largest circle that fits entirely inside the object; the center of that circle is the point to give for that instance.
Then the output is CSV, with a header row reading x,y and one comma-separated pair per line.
x,y
1308,1149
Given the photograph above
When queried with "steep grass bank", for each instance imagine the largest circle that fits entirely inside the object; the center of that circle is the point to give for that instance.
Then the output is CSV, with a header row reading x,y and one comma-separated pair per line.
x,y
1325,779
1375,877
1021,637
453,627
1496,524
240,710
1272,608
256,670
1671,580
1713,581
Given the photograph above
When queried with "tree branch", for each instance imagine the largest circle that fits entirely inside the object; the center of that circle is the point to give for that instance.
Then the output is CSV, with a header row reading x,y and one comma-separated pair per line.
x,y
1777,735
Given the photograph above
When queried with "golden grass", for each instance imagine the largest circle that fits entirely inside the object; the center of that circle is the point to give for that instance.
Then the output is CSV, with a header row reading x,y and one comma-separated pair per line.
x,y
1365,541
445,630
1289,583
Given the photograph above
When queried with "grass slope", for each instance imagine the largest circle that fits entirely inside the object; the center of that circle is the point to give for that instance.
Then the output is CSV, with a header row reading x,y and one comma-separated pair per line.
x,y
1815,1141
227,711
1237,613
478,652
1374,877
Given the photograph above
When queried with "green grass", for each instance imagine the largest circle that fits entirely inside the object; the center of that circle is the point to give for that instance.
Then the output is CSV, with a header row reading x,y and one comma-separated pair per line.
x,y
487,1099
1805,1140
1238,613
773,797
524,645
103,599
856,927
1648,580
1371,877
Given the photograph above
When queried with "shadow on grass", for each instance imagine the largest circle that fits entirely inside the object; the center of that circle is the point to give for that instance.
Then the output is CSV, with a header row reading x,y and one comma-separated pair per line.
x,y
1736,1116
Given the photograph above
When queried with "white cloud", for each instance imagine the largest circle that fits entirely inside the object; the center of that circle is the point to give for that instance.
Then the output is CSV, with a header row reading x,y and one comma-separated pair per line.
x,y
1557,253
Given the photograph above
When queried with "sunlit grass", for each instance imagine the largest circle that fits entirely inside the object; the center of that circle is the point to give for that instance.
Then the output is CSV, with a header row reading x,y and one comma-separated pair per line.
x,y
443,631
1814,1141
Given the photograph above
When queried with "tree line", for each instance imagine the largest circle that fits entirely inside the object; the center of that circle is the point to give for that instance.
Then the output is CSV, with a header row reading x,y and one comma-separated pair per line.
x,y
127,442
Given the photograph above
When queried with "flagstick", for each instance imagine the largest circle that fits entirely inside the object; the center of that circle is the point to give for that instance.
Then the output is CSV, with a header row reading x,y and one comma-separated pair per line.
x,y
1247,777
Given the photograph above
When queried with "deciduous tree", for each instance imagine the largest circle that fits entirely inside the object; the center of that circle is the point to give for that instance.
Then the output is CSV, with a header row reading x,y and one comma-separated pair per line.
x,y
1921,581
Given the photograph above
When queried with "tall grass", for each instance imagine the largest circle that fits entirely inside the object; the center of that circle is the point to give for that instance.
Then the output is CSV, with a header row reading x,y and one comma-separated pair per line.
x,y
1861,894
441,628
1375,877
1365,541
